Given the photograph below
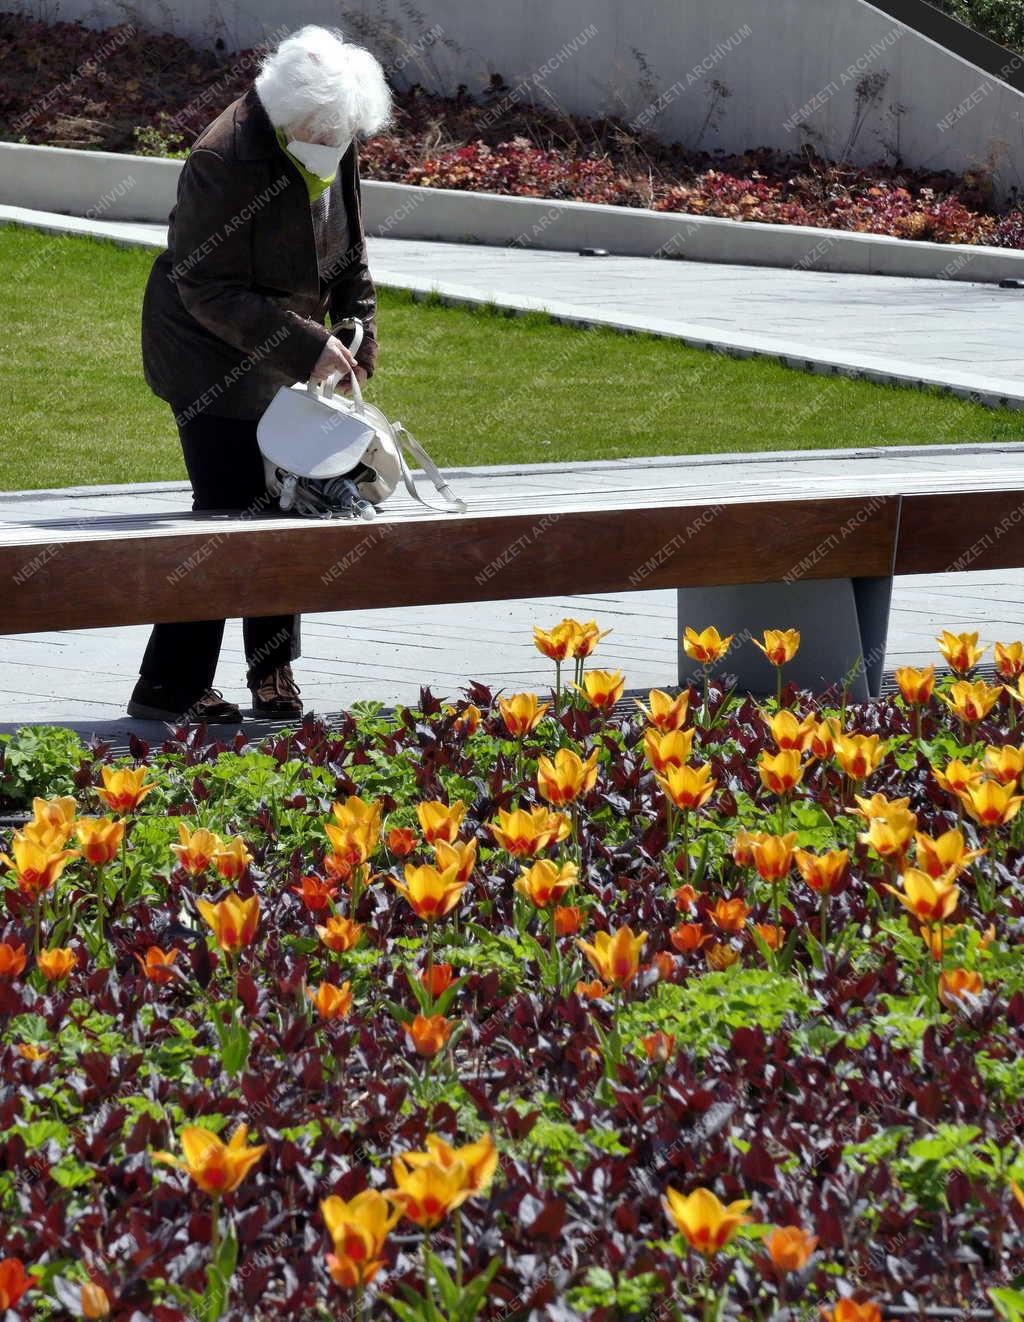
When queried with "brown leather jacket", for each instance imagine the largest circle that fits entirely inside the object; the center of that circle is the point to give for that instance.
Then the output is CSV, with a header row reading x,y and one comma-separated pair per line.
x,y
235,307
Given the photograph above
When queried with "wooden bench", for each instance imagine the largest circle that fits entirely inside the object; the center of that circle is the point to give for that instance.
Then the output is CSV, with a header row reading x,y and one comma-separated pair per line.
x,y
799,539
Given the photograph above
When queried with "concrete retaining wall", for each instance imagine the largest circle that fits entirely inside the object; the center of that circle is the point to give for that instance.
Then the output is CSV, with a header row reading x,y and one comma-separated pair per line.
x,y
108,186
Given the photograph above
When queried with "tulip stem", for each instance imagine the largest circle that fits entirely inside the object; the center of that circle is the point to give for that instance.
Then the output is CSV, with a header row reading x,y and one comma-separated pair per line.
x,y
428,1284
38,924
558,689
430,960
686,845
215,1228
358,1302
458,1249
824,922
778,687
556,964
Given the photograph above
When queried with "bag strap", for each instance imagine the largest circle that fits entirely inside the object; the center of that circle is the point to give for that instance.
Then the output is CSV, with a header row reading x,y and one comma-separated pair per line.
x,y
404,438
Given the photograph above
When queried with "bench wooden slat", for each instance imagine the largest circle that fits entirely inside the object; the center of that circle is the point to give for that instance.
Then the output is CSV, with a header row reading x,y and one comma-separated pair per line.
x,y
969,531
289,565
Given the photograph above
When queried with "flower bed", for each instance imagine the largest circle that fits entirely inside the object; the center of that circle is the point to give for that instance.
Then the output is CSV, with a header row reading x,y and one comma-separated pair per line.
x,y
126,90
521,1008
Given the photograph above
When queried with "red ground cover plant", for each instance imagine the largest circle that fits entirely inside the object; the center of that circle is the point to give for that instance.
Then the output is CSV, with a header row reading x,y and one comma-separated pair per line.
x,y
124,89
696,1007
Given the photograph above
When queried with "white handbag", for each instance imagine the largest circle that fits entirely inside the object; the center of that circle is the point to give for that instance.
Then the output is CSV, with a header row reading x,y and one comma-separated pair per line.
x,y
327,455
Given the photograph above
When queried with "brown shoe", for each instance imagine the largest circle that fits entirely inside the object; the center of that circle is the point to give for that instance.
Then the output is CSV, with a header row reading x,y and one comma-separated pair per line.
x,y
276,694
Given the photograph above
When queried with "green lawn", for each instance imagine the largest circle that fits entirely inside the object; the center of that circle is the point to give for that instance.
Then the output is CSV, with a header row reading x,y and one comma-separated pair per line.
x,y
475,386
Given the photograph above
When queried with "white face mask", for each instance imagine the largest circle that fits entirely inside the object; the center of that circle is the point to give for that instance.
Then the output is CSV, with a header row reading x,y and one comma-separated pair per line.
x,y
318,159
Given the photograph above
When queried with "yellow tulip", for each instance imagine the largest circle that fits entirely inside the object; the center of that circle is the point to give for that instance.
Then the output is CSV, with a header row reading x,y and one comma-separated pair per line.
x,y
340,934
430,893
215,1166
232,858
916,686
961,650
123,790
358,1229
859,755
565,778
823,737
35,867
426,1193
957,776
780,645
557,643
440,821
602,688
991,804
789,732
688,787
665,713
929,899
670,749
478,1161
782,772
57,963
587,637
546,882
821,871
59,812
461,856
720,956
1004,764
953,983
524,832
945,853
615,957
351,845
1009,660
521,713
890,836
970,702
196,849
773,855
232,920
707,646
355,813
708,1224
880,808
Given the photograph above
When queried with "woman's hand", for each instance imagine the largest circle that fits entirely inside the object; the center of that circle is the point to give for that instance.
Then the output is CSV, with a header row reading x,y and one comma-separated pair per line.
x,y
345,384
334,358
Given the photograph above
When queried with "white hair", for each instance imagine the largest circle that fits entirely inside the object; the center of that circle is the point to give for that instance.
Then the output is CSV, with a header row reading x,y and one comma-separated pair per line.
x,y
318,79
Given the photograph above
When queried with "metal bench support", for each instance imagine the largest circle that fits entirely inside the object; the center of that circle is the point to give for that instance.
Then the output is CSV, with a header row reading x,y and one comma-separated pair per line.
x,y
843,624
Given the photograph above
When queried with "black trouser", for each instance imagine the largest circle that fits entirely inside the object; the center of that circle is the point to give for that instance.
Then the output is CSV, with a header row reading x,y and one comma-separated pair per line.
x,y
225,468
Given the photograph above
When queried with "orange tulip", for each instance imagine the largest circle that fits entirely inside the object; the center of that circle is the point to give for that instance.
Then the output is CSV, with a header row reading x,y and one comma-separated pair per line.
x,y
954,983
601,688
99,839
468,719
658,1046
358,1229
525,832
215,1166
592,991
427,1193
545,882
158,965
688,787
743,846
437,980
773,856
684,897
730,915
521,713
779,645
340,934
332,1002
991,804
931,900
615,956
707,646
315,894
563,779
12,960
94,1300
55,964
687,937
14,1282
196,848
440,821
780,773
961,650
232,920
401,841
847,1311
916,686
665,713
769,934
232,858
351,845
790,1248
124,790
1009,659
567,919
667,750
31,1051
430,893
707,1224
822,871
858,755
429,1033
461,856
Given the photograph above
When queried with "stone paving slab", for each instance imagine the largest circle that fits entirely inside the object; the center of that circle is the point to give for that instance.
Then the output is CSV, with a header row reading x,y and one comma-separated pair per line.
x,y
961,336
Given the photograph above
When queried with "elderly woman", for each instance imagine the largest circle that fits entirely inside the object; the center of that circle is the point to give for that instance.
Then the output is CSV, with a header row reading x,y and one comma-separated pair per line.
x,y
265,242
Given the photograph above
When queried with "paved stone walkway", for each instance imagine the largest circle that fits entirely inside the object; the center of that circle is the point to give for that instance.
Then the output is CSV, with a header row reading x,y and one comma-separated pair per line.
x,y
966,337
